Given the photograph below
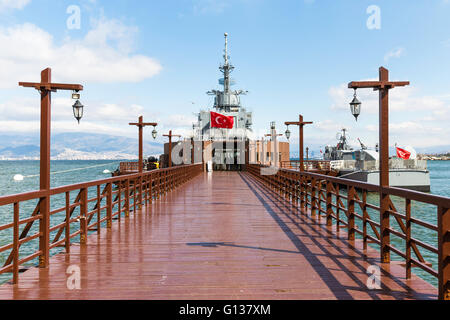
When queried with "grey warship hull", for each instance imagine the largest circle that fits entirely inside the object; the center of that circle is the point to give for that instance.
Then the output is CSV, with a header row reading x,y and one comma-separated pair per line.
x,y
411,179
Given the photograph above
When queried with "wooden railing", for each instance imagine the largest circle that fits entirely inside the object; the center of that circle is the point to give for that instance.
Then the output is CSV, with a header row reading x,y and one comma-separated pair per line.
x,y
310,165
338,200
95,205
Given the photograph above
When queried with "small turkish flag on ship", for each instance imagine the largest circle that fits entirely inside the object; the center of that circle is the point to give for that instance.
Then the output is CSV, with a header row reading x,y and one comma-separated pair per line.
x,y
402,153
220,121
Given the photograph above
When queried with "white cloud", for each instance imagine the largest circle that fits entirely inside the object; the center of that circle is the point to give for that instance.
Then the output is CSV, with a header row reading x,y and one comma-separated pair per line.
x,y
21,115
103,55
13,4
424,119
395,53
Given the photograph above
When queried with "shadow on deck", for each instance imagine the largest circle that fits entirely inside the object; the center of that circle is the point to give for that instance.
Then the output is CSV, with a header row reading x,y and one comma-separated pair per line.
x,y
221,236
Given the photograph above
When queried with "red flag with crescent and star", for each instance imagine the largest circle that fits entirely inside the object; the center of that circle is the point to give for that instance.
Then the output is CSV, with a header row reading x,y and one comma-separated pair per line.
x,y
403,154
220,121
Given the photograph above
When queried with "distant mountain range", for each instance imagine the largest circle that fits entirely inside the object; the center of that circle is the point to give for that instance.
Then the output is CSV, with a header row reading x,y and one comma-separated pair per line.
x,y
76,146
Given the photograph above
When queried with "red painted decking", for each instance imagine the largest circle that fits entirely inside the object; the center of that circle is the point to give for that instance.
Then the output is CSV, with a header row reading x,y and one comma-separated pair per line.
x,y
220,236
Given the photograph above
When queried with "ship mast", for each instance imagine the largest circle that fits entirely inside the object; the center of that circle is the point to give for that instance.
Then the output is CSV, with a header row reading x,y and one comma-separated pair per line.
x,y
226,68
227,100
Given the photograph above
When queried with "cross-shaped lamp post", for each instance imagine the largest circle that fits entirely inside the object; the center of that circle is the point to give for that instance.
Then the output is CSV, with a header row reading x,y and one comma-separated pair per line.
x,y
141,124
383,86
300,124
46,87
170,135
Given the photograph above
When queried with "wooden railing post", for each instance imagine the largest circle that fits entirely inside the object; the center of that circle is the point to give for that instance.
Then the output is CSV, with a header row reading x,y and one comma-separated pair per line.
x,y
119,200
140,192
313,198
351,213
83,214
384,227
151,187
44,230
365,216
16,244
127,198
338,211
408,238
109,206
329,204
302,193
444,252
99,209
67,228
135,190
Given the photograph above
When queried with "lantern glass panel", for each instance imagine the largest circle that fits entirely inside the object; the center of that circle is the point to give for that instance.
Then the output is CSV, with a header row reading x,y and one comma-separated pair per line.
x,y
78,110
288,134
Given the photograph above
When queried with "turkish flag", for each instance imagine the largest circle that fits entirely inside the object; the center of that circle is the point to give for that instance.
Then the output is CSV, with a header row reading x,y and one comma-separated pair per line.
x,y
402,153
220,121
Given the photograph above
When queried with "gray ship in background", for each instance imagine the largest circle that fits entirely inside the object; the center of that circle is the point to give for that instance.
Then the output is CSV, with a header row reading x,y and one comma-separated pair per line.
x,y
363,165
227,102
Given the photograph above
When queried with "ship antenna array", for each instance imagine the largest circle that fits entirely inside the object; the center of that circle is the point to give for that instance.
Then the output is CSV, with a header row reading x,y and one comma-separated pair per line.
x,y
226,49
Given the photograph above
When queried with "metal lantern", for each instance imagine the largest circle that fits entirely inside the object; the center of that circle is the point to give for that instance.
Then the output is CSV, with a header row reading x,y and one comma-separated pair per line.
x,y
288,133
78,110
355,107
154,133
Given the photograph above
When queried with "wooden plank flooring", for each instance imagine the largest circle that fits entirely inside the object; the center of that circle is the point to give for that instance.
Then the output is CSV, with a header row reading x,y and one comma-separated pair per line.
x,y
221,236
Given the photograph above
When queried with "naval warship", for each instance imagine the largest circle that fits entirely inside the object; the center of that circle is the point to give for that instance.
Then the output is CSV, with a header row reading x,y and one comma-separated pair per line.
x,y
363,165
227,102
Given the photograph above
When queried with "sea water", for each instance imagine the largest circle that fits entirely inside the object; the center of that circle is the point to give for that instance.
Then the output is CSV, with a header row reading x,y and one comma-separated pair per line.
x,y
63,173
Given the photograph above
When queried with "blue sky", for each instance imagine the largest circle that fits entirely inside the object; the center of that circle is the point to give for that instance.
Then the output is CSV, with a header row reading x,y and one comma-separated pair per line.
x,y
158,58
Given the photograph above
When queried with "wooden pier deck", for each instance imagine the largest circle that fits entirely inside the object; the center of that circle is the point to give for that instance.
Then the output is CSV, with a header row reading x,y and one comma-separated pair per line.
x,y
220,236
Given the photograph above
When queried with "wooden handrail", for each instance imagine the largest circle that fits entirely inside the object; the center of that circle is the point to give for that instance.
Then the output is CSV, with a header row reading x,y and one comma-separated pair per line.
x,y
305,189
133,190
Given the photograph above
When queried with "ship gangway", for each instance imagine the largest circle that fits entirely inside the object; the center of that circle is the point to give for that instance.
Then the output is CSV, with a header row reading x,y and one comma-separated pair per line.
x,y
183,233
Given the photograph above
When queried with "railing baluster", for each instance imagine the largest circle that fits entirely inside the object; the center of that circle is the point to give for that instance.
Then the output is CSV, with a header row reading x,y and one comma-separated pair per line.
x,y
444,252
119,199
351,213
44,228
408,238
302,193
127,198
151,187
16,244
109,206
313,198
329,206
99,210
83,214
365,215
385,253
338,211
67,226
